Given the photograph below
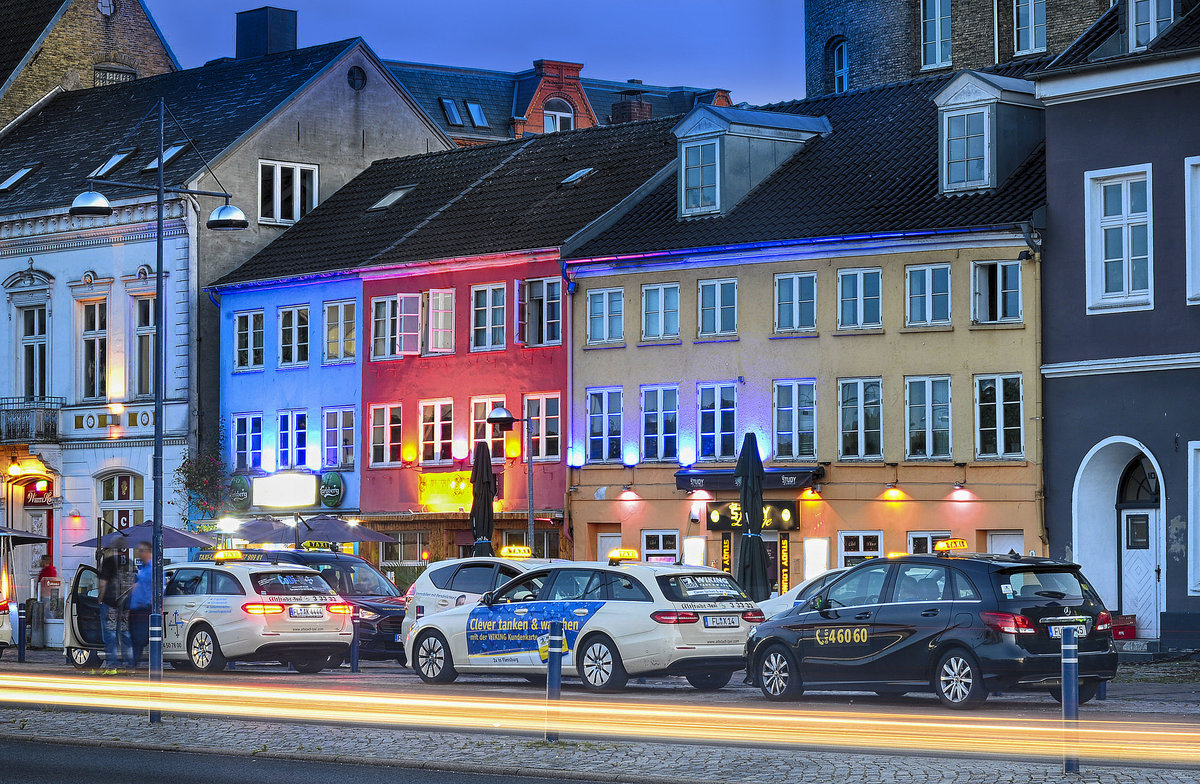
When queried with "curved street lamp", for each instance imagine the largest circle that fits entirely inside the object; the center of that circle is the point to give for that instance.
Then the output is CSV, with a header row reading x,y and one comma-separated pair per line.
x,y
502,418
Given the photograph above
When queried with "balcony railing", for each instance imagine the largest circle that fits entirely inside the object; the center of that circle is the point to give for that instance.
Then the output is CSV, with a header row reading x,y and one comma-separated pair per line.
x,y
29,420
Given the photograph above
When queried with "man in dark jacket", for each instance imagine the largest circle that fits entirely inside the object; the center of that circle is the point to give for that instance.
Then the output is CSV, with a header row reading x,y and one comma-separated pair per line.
x,y
114,585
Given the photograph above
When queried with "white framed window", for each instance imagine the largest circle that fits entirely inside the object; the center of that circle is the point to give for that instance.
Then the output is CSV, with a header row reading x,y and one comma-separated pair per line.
x,y
291,445
122,500
966,141
796,302
1191,209
606,315
395,326
927,399
387,437
439,321
248,338
795,417
928,294
701,178
437,431
660,423
841,67
935,33
999,417
539,312
338,445
93,343
487,317
1120,236
410,549
557,115
922,542
545,436
604,425
35,352
1029,24
854,547
860,404
143,330
717,410
661,546
293,336
1148,18
482,431
996,292
247,442
717,307
545,543
341,331
286,191
859,299
660,311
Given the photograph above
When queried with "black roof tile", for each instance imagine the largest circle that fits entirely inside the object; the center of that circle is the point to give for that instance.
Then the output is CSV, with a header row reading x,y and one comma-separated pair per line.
x,y
1105,42
22,23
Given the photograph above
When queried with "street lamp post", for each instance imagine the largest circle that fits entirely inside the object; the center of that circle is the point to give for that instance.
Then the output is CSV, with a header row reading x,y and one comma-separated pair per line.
x,y
224,218
504,419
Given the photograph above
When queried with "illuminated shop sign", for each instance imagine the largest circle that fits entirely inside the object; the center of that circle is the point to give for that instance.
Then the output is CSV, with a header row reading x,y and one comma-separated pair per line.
x,y
777,516
446,491
284,491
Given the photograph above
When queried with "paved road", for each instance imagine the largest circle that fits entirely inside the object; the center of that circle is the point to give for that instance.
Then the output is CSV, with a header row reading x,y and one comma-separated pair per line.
x,y
51,763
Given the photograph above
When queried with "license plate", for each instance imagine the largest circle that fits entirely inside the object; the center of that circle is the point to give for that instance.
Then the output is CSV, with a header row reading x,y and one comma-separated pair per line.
x,y
1056,631
306,612
720,621
399,638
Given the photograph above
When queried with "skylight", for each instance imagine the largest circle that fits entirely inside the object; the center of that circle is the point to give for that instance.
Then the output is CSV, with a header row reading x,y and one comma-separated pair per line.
x,y
113,162
168,156
477,117
451,110
391,198
16,177
578,176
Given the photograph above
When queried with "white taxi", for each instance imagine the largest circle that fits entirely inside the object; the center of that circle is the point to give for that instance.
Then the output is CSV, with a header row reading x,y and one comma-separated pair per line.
x,y
227,606
619,620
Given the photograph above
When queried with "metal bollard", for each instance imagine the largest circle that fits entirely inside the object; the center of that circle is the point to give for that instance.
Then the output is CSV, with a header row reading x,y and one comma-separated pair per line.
x,y
554,679
156,644
1070,698
21,632
354,640
1102,692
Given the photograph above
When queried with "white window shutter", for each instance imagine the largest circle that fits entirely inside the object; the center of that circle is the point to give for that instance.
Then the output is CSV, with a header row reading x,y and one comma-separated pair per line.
x,y
520,329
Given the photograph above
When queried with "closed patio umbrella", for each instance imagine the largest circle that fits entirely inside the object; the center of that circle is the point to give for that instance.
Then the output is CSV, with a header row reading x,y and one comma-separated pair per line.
x,y
752,565
483,480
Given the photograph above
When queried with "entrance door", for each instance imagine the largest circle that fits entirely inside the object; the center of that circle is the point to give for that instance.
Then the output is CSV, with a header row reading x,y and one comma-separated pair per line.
x,y
1141,569
605,544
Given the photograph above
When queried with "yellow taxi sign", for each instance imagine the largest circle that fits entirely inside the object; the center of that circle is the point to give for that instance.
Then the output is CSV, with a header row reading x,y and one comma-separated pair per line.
x,y
623,554
946,545
896,555
516,551
227,555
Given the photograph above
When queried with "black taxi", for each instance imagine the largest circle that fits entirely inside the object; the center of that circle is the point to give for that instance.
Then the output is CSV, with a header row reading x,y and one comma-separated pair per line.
x,y
958,624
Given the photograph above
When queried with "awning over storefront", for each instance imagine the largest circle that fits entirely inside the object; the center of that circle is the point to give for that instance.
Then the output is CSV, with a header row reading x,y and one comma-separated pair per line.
x,y
723,479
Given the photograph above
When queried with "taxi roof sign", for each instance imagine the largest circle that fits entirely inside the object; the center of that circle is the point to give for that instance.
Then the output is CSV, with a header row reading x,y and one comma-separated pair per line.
x,y
946,545
228,555
516,551
623,554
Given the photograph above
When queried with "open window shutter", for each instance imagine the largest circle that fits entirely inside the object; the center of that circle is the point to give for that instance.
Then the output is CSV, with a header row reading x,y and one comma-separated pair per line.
x,y
520,329
427,322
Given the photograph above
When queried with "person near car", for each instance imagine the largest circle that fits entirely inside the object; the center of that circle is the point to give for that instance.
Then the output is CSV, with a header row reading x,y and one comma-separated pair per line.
x,y
140,599
47,568
114,588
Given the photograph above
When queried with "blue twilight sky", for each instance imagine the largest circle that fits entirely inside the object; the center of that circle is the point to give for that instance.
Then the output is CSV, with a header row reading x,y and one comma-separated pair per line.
x,y
755,48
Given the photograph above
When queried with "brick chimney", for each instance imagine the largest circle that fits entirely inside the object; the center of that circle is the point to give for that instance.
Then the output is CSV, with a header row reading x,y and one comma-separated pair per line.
x,y
631,107
265,30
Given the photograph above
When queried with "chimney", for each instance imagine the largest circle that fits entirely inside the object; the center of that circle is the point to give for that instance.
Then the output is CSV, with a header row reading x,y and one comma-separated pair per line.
x,y
265,30
631,107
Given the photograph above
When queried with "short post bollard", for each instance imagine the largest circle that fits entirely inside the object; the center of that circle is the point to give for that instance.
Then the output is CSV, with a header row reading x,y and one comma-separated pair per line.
x,y
1102,692
21,632
554,679
354,640
1070,698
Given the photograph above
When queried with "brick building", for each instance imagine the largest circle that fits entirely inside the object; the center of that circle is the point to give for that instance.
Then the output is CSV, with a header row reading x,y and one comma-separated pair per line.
x,y
860,43
52,45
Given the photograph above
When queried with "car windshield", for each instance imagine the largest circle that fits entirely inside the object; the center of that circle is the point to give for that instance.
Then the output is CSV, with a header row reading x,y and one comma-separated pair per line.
x,y
290,584
1039,585
355,578
701,588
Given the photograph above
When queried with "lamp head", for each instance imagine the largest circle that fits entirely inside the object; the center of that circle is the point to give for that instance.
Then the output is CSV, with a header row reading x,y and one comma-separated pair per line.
x,y
501,417
227,217
91,204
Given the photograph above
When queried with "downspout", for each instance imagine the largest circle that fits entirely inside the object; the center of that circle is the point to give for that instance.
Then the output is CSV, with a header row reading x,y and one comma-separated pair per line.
x,y
1035,241
569,406
995,32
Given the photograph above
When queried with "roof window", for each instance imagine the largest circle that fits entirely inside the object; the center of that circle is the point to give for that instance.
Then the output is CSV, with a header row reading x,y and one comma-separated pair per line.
x,y
450,108
15,178
391,198
478,119
168,156
114,160
579,176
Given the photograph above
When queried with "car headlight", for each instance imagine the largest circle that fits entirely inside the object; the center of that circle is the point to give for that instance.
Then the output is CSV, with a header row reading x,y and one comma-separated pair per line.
x,y
368,615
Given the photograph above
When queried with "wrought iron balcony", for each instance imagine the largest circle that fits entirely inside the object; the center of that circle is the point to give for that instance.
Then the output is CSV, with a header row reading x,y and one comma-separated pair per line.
x,y
29,420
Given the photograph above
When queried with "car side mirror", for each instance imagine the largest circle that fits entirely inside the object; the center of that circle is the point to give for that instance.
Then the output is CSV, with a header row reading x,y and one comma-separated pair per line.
x,y
487,599
817,603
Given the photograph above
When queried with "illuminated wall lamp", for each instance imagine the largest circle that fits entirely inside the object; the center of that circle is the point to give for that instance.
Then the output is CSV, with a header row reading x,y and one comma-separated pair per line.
x,y
959,485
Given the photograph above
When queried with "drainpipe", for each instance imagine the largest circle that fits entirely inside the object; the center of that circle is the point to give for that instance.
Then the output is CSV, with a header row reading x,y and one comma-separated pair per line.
x,y
995,32
566,427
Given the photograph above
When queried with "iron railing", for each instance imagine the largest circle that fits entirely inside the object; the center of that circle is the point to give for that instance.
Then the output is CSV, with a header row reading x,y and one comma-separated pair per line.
x,y
29,420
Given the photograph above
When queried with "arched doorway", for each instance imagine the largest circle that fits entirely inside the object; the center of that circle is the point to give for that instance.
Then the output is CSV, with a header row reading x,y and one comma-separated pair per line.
x,y
1118,529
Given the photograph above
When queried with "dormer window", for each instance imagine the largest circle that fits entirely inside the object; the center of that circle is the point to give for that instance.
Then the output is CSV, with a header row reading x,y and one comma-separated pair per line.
x,y
966,148
557,115
1148,18
700,178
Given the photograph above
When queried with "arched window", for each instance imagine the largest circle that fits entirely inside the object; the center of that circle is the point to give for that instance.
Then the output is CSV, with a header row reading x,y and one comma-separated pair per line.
x,y
122,501
1139,484
840,67
558,115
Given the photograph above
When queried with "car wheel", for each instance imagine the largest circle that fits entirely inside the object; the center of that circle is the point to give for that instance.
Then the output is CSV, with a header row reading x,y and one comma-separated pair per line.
x,y
957,680
600,665
1087,692
82,658
432,660
779,674
309,664
204,652
709,681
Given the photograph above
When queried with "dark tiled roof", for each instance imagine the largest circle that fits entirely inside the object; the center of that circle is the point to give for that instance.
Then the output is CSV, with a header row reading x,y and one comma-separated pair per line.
x,y
663,100
76,131
1184,34
486,199
876,172
22,23
1106,43
493,90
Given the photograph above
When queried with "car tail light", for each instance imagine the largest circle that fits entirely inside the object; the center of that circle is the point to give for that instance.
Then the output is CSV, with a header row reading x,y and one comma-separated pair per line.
x,y
675,616
408,595
753,616
340,609
259,608
3,605
1104,621
1009,623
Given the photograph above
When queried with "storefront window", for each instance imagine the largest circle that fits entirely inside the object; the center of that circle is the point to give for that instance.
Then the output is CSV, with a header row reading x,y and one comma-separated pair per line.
x,y
545,543
121,500
660,546
407,550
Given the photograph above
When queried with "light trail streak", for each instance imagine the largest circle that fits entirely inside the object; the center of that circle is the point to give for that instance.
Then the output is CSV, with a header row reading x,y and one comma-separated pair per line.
x,y
1120,741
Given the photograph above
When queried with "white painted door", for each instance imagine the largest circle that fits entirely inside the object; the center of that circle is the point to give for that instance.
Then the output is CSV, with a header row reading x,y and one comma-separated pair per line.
x,y
1140,569
1005,542
605,544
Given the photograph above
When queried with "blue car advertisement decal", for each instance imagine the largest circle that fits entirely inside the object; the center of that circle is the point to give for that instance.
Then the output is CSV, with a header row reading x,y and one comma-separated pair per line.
x,y
501,631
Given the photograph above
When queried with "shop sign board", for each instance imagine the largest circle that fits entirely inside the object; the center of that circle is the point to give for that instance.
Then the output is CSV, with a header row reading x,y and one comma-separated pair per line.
x,y
727,516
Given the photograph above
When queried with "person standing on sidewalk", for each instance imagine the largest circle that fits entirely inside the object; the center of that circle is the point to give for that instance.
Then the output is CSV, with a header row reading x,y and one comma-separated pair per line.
x,y
139,604
114,588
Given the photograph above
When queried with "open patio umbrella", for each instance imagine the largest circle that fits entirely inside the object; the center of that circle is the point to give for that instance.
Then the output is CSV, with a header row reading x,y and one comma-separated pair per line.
x,y
327,528
14,536
265,529
752,565
144,532
483,480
